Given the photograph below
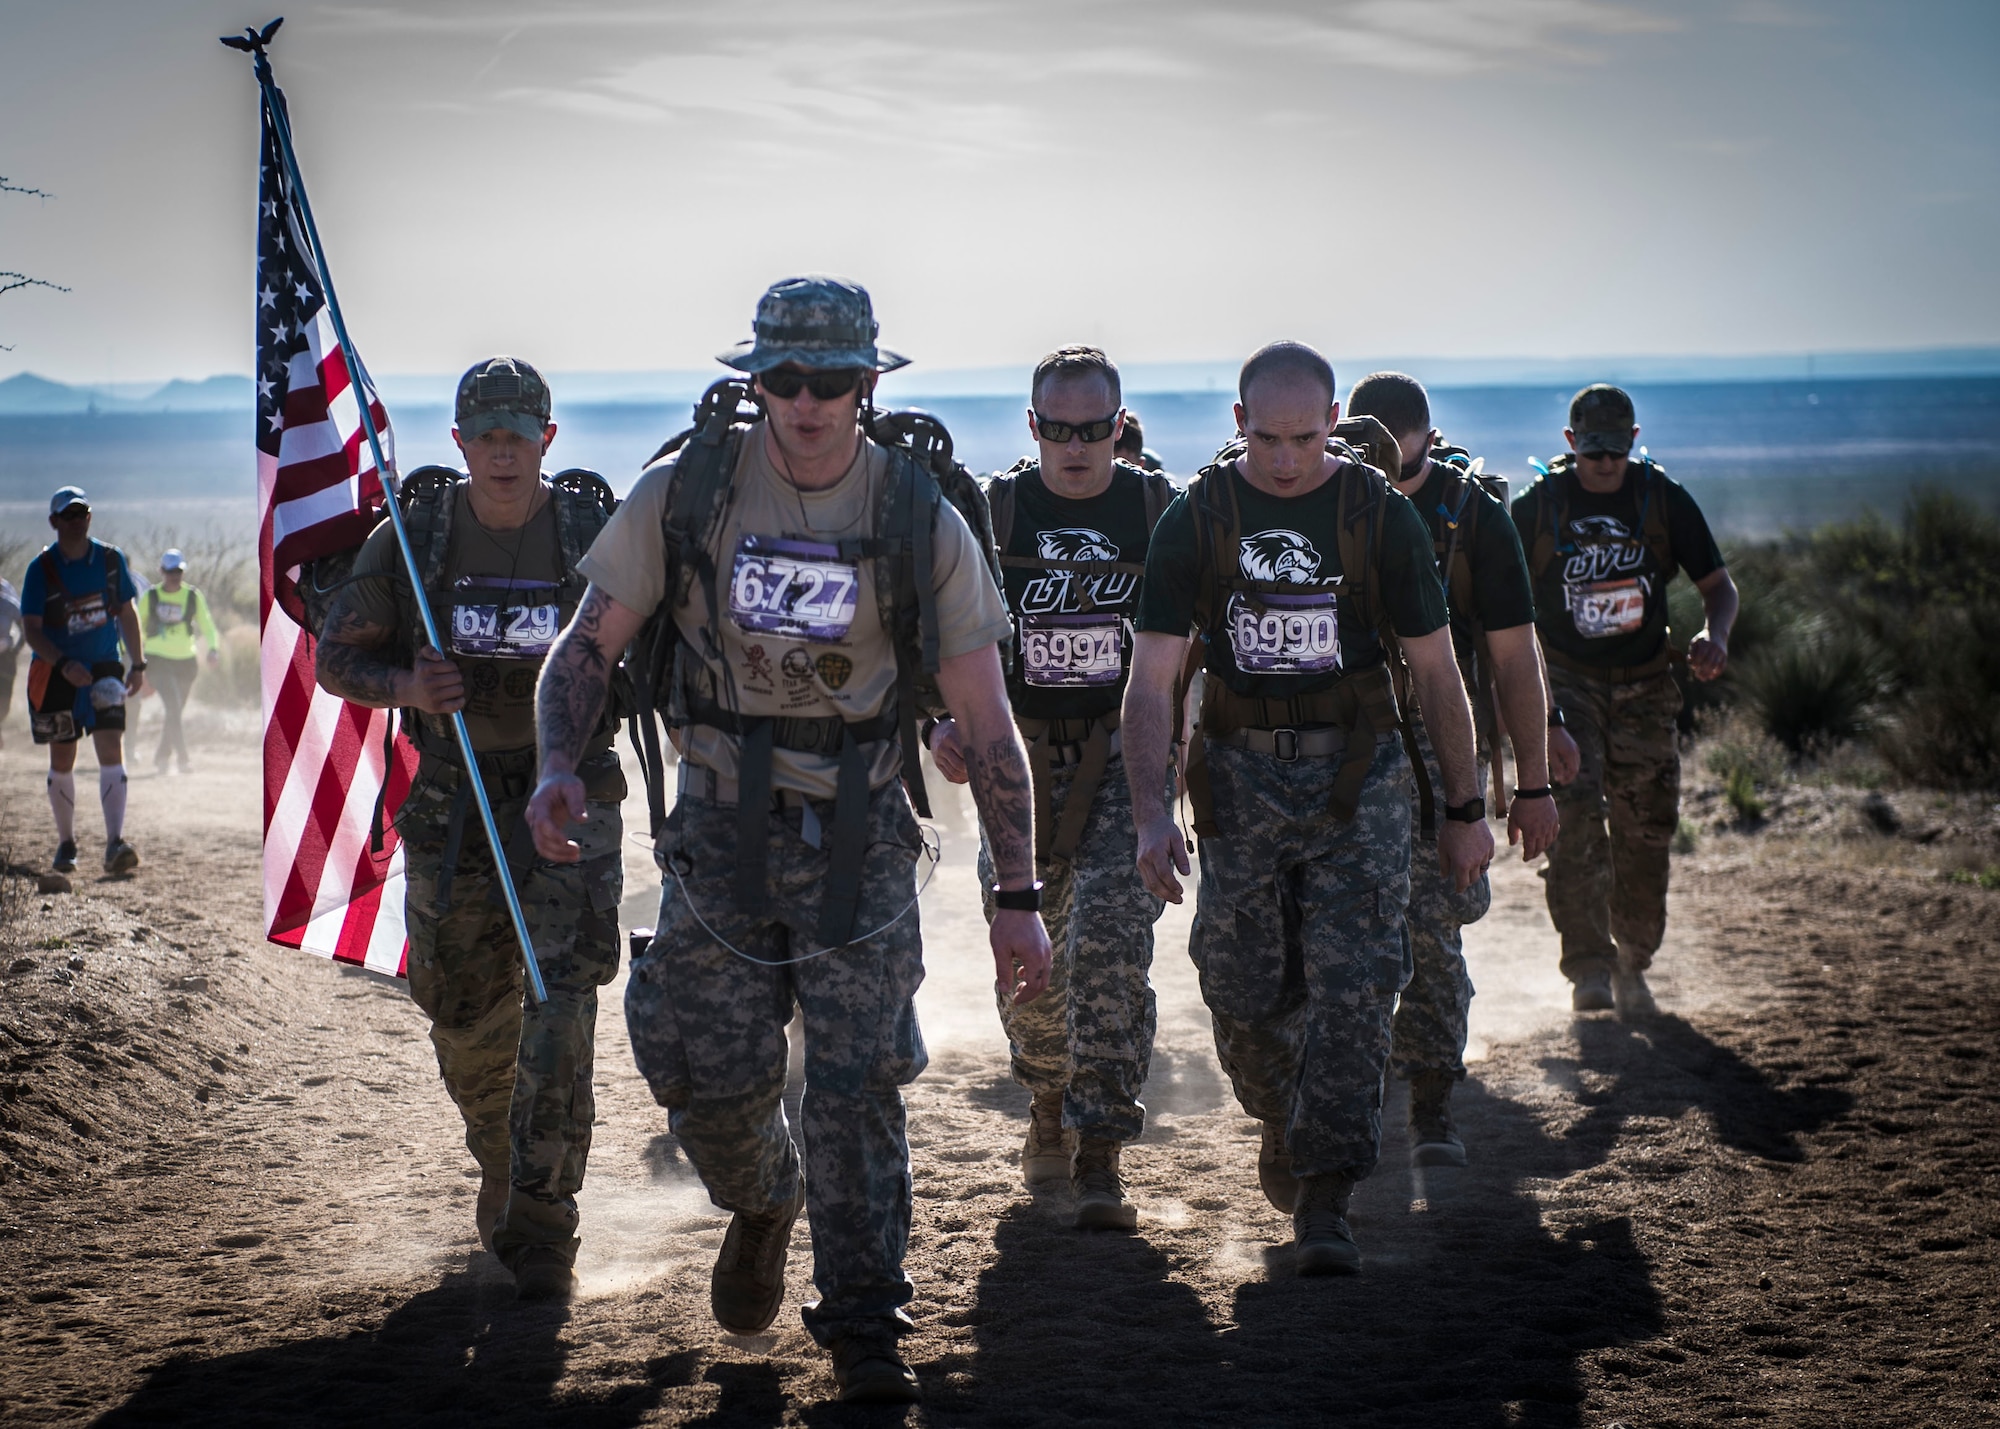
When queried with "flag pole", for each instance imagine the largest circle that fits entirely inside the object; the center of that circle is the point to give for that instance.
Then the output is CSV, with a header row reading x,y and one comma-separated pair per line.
x,y
255,42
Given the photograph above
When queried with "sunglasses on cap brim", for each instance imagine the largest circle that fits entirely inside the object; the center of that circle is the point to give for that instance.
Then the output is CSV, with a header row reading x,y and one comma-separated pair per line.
x,y
1090,433
786,383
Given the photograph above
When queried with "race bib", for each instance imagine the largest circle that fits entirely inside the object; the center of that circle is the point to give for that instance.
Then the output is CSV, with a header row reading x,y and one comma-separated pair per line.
x,y
84,613
1069,651
520,628
800,590
1285,634
1603,608
169,613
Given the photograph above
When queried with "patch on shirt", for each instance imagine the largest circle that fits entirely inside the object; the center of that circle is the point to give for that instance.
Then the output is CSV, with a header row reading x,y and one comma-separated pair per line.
x,y
800,590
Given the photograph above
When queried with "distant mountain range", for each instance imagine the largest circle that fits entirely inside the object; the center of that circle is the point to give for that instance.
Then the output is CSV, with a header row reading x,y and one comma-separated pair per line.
x,y
26,394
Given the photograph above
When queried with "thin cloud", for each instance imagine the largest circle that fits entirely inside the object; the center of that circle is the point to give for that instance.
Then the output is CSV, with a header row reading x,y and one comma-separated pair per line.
x,y
1441,37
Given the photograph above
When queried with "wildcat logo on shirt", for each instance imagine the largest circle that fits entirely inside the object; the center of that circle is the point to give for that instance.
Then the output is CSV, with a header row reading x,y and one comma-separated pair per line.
x,y
1605,547
1279,556
1063,592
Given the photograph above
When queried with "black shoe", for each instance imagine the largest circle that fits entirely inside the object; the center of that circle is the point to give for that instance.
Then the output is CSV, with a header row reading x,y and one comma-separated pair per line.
x,y
748,1285
1100,1190
1433,1139
65,859
869,1371
1319,1227
1274,1169
121,857
544,1274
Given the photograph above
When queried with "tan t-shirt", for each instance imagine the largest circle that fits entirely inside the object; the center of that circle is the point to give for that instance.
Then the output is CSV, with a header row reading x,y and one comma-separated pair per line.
x,y
502,612
799,628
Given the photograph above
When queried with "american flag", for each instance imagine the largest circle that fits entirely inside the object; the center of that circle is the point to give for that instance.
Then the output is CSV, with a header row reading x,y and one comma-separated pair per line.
x,y
318,492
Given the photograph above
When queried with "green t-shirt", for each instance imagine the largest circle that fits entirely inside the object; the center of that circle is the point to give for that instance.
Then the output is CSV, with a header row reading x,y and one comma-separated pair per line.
x,y
1602,598
1294,645
1502,595
499,611
1073,652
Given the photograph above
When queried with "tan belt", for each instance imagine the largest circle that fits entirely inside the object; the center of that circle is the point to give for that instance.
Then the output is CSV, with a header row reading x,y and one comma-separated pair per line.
x,y
1089,746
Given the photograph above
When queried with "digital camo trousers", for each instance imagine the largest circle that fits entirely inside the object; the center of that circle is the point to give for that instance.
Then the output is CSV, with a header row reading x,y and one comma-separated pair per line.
x,y
708,1032
1429,1034
521,1078
1300,943
1607,874
1090,1036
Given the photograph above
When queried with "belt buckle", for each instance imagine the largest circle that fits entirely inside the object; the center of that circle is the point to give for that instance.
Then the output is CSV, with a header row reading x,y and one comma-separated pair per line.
x,y
1285,745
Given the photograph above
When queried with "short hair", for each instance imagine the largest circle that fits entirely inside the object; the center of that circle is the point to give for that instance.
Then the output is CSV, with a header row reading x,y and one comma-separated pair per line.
x,y
1072,362
1285,359
1131,441
1395,399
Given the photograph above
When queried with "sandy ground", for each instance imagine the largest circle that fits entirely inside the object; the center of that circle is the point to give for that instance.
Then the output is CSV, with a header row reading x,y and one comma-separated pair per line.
x,y
232,1191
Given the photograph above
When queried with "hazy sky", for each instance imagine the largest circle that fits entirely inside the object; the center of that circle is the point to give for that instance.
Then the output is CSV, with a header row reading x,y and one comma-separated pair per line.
x,y
610,185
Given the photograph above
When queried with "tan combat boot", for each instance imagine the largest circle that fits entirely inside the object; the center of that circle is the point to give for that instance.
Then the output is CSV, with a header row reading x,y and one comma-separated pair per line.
x,y
748,1284
1274,1169
1629,990
1324,1244
1100,1191
486,1211
1050,1149
1433,1139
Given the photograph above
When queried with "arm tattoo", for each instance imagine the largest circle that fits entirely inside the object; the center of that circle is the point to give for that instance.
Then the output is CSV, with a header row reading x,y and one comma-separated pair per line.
x,y
347,659
1006,800
575,678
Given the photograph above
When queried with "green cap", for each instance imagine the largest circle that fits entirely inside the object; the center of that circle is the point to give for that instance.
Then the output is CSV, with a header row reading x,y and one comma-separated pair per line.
x,y
503,392
1602,418
821,324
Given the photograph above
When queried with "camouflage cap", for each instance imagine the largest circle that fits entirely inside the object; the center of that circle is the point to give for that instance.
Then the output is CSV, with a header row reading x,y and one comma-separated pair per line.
x,y
1602,418
818,323
503,392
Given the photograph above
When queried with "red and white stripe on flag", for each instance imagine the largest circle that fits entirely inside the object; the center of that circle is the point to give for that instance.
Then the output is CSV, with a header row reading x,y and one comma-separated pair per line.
x,y
318,491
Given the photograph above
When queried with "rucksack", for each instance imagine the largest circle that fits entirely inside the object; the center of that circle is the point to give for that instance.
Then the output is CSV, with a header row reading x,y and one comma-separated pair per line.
x,y
923,474
1555,485
56,596
154,625
1365,703
1001,494
1453,548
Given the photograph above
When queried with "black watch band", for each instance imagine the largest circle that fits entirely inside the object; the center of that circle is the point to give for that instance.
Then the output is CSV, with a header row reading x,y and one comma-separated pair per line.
x,y
138,667
1019,900
1556,720
1547,791
927,729
1472,811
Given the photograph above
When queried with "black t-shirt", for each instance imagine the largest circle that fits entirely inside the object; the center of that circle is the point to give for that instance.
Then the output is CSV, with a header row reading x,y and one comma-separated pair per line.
x,y
1502,595
1294,645
1602,597
1074,650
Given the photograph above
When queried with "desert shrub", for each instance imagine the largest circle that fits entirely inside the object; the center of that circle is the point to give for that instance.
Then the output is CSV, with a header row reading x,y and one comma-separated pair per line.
x,y
1734,745
1814,688
1739,791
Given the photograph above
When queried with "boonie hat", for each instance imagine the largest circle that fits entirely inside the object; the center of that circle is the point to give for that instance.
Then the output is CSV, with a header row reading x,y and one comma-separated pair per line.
x,y
822,324
67,497
1602,418
503,392
173,561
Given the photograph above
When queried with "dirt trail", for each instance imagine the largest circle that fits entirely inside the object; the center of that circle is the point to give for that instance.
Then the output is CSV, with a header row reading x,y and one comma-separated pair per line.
x,y
231,1190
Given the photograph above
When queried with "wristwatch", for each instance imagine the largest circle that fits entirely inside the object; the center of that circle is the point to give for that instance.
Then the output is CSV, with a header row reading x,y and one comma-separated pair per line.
x,y
1019,900
1472,811
137,667
1556,720
927,729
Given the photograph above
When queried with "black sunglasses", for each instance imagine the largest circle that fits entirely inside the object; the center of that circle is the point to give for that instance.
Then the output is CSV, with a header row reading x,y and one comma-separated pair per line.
x,y
1050,430
785,383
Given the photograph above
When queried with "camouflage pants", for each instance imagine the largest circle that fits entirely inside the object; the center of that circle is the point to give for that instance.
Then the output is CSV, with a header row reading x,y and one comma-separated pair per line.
x,y
708,1032
1300,943
1429,1032
521,1078
1090,1036
1607,874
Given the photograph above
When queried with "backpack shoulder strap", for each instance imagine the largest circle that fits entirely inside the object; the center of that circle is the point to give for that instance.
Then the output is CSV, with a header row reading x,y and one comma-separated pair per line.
x,y
1361,514
583,502
1218,535
1160,494
1653,515
1552,511
1001,494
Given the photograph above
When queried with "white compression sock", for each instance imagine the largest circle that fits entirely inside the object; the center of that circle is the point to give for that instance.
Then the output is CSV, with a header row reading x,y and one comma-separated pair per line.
x,y
111,789
62,803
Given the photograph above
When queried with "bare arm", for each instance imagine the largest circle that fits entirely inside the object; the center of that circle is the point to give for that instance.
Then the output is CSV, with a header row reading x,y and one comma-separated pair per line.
x,y
350,659
569,701
1517,683
1464,849
1708,652
995,762
1147,730
128,627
